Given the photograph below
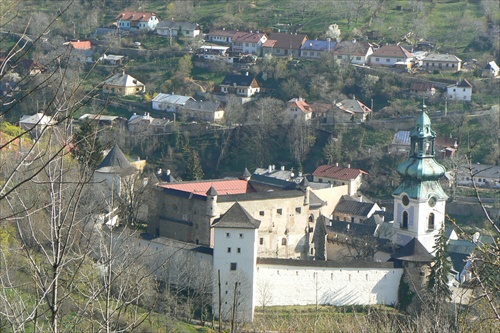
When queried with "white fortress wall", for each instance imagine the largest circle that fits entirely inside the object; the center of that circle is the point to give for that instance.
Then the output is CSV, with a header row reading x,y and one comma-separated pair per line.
x,y
293,282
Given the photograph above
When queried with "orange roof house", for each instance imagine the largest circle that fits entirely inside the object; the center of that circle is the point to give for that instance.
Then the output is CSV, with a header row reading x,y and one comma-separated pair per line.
x,y
337,175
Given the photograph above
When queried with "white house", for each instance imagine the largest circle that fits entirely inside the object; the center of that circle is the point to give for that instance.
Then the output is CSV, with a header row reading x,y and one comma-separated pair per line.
x,y
491,69
248,42
173,29
353,52
461,91
482,175
136,20
390,55
36,123
298,108
446,62
241,85
337,175
169,102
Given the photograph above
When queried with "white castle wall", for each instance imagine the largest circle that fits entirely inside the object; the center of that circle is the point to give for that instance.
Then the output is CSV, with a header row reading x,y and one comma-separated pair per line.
x,y
282,284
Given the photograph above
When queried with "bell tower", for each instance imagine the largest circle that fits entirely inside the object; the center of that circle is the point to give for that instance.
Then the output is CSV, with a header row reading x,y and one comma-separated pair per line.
x,y
419,201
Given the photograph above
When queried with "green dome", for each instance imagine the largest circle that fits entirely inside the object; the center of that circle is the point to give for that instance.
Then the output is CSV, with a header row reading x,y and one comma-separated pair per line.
x,y
422,128
421,169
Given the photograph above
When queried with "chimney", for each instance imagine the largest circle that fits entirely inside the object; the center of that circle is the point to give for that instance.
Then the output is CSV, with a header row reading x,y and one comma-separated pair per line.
x,y
274,167
282,168
168,172
383,209
348,166
360,198
269,168
337,164
158,171
246,73
300,174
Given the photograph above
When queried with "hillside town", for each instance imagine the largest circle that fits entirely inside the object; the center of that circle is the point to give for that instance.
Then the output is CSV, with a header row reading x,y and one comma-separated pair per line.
x,y
156,166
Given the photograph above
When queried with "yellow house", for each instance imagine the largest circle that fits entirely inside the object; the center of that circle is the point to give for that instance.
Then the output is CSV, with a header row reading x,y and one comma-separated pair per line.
x,y
123,84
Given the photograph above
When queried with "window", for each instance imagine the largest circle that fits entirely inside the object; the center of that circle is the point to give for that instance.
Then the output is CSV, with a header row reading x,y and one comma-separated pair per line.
x,y
233,266
228,250
241,235
227,234
377,59
358,58
298,210
261,213
283,241
430,224
352,219
404,225
261,241
387,60
279,211
320,180
239,250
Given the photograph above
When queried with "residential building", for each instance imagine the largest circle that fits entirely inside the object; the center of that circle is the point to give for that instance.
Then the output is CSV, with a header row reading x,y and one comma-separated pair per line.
x,y
336,175
241,85
354,209
353,110
81,51
314,49
181,29
422,89
123,84
353,52
169,102
103,120
130,20
390,55
221,36
36,124
203,111
483,175
112,59
461,91
284,44
445,62
445,147
491,69
248,42
299,109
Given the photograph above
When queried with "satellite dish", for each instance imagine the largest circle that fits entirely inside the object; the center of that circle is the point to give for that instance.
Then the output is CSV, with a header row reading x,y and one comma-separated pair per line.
x,y
475,237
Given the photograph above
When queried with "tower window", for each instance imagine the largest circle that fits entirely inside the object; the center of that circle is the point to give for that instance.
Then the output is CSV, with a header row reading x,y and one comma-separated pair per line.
x,y
283,241
404,224
430,224
233,266
228,250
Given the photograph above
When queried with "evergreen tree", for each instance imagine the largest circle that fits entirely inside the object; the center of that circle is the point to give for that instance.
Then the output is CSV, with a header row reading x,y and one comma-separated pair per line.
x,y
193,168
87,149
441,267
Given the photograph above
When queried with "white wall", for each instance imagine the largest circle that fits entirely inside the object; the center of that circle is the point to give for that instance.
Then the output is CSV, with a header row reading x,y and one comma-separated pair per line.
x,y
300,285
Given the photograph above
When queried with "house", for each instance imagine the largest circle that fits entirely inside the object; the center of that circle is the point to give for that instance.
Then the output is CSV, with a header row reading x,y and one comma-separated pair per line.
x,y
241,85
36,124
482,175
112,59
422,89
81,51
336,175
445,62
123,84
354,109
354,210
221,36
323,112
445,147
103,120
23,66
491,69
314,49
178,29
353,52
299,109
169,102
136,20
248,42
80,45
203,111
461,91
139,123
390,55
283,44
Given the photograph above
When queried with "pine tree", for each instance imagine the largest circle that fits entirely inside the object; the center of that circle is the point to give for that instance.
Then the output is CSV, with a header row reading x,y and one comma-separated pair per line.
x,y
440,270
87,149
193,168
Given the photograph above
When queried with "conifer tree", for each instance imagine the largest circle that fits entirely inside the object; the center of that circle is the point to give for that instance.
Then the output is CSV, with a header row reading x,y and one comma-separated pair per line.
x,y
193,167
87,149
441,267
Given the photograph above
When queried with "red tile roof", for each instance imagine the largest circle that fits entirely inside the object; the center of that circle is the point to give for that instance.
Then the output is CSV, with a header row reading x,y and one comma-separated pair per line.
x,y
332,171
249,37
135,16
222,186
301,104
81,45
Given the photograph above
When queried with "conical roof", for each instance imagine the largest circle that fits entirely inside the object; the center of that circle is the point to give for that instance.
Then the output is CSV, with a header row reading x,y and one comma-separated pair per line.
x,y
304,182
237,217
246,174
115,161
212,191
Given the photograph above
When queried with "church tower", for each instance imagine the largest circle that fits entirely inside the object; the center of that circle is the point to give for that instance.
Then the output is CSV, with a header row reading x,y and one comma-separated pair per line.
x,y
419,201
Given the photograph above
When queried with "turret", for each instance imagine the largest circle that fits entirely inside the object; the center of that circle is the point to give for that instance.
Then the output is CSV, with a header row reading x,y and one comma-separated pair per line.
x,y
212,210
246,175
304,186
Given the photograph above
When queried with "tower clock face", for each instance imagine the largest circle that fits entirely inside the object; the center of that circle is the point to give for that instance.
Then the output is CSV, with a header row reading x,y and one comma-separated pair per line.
x,y
406,200
432,201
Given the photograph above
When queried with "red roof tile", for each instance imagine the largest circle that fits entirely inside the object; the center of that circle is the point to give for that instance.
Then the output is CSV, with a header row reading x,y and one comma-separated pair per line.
x,y
222,186
135,16
394,51
81,45
332,171
250,37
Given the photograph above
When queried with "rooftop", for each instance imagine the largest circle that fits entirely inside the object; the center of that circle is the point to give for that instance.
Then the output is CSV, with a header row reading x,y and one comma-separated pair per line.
x,y
222,186
336,172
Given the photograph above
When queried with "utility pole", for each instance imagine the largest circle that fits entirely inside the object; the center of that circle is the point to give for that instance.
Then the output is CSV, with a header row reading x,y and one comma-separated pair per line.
x,y
220,303
233,319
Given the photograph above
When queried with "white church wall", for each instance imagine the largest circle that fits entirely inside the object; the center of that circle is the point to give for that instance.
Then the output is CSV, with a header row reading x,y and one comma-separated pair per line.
x,y
302,285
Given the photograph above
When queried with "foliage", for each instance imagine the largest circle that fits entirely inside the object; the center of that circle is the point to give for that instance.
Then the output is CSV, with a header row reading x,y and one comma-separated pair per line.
x,y
194,170
440,269
87,149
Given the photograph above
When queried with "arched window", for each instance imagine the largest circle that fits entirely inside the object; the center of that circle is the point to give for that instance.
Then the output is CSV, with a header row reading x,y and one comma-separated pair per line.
x,y
404,225
430,224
